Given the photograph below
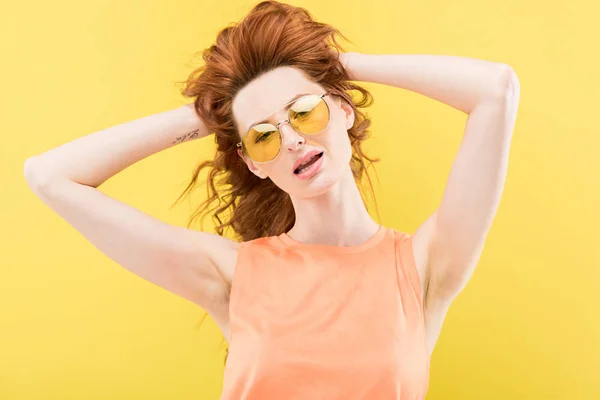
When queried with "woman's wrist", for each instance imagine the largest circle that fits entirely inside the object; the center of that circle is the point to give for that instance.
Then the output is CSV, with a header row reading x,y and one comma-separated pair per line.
x,y
197,128
345,59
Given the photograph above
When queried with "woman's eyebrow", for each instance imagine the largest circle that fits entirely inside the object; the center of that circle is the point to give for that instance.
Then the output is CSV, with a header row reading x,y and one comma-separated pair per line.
x,y
287,105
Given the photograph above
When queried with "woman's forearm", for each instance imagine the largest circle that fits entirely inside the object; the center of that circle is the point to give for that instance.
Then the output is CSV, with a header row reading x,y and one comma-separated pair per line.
x,y
92,159
460,82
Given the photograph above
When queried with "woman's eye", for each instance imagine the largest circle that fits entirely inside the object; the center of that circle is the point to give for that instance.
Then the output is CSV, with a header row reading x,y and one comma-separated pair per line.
x,y
263,137
303,114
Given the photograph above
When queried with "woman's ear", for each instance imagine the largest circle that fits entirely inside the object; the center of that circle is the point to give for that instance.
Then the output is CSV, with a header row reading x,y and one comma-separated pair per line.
x,y
251,165
348,112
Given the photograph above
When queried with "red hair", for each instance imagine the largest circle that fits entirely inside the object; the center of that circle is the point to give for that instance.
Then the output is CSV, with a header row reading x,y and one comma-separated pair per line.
x,y
272,35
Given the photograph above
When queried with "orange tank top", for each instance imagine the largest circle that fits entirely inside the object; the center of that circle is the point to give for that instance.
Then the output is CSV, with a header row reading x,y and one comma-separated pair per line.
x,y
313,321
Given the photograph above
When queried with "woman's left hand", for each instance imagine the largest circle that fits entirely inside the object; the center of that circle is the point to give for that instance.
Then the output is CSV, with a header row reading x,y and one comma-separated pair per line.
x,y
344,59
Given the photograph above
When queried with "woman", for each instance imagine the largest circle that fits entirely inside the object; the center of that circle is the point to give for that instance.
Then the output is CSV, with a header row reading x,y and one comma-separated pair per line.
x,y
317,300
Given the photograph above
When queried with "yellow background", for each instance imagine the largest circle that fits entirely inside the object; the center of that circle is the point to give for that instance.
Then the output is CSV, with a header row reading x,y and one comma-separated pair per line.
x,y
74,325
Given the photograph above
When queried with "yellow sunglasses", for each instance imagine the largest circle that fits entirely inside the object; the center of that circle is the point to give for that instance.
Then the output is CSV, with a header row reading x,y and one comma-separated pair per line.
x,y
309,115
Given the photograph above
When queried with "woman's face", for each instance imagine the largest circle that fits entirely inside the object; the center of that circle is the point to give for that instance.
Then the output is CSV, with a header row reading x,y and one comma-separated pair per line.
x,y
264,99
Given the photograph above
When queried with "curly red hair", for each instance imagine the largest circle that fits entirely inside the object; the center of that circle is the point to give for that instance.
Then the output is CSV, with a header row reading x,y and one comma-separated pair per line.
x,y
273,34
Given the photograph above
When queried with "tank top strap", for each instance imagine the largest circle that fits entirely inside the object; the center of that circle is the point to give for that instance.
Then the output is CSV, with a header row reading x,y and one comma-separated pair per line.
x,y
408,276
248,257
240,272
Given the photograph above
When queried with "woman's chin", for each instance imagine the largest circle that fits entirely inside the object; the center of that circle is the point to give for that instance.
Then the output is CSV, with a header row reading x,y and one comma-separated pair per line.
x,y
318,186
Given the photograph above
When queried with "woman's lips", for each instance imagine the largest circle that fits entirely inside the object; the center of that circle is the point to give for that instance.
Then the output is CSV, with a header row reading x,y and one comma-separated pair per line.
x,y
312,169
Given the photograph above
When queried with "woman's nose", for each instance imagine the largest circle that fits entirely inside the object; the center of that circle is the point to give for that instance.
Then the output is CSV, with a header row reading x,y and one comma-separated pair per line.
x,y
289,137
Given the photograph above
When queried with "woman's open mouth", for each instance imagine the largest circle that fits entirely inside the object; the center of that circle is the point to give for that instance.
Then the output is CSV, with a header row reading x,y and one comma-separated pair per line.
x,y
309,168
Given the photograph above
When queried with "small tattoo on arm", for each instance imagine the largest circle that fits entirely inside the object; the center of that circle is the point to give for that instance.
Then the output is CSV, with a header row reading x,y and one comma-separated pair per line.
x,y
188,136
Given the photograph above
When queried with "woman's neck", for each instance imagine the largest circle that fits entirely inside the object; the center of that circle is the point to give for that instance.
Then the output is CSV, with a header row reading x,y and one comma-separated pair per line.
x,y
337,217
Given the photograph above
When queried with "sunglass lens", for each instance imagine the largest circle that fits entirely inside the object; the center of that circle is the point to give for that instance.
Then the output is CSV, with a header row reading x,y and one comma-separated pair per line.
x,y
261,143
309,115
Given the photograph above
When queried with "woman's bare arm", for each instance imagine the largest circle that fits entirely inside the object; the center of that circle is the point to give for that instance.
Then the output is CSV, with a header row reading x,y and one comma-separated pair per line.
x,y
192,264
92,159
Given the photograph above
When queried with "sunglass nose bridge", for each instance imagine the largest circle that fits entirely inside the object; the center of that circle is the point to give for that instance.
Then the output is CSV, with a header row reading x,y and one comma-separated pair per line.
x,y
281,122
